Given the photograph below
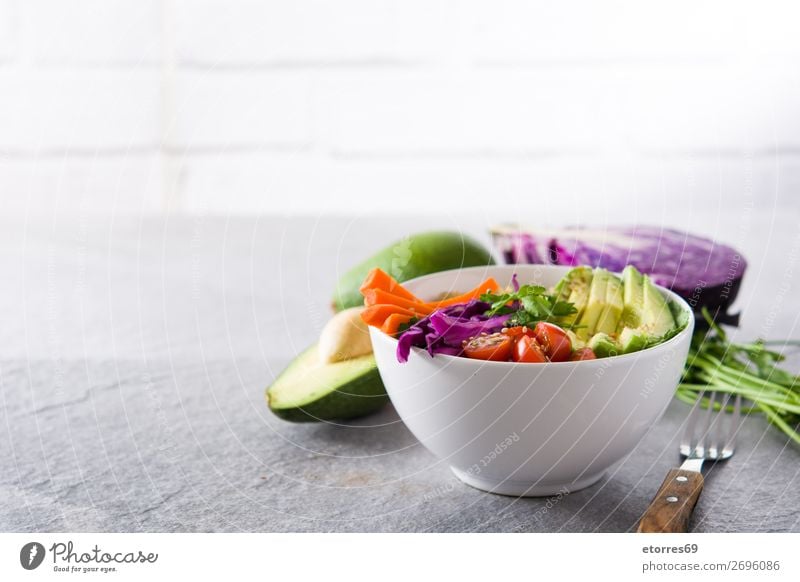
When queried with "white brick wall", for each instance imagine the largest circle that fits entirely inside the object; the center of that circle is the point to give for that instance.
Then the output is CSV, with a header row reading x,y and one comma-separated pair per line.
x,y
82,184
629,31
535,190
46,110
248,32
561,111
494,112
240,109
720,109
7,31
100,32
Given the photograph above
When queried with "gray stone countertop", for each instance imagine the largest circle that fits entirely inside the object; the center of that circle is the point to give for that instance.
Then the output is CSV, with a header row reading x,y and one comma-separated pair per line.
x,y
134,355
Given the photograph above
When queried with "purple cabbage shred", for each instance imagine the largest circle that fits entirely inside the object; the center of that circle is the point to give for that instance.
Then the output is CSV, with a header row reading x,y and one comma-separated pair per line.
x,y
444,330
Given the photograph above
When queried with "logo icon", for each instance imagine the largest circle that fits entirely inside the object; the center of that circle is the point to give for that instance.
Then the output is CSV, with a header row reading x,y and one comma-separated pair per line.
x,y
31,555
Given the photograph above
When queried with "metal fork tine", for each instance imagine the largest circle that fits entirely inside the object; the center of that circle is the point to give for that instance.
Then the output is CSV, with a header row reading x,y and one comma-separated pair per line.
x,y
702,446
688,442
736,422
719,433
714,437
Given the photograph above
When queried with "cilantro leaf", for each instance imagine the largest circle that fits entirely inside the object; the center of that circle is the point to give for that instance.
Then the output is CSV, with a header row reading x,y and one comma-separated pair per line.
x,y
532,303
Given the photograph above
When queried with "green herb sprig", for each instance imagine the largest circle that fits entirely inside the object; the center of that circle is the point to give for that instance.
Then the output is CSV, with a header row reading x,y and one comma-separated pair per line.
x,y
749,370
529,305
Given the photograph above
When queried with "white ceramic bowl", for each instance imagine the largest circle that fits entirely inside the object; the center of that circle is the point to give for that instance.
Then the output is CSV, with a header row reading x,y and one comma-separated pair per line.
x,y
528,429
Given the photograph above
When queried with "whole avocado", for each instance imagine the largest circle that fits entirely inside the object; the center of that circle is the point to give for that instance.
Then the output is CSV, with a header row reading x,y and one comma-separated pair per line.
x,y
414,256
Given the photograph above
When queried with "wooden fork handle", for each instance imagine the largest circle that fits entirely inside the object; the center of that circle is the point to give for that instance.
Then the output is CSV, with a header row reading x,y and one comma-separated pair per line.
x,y
672,506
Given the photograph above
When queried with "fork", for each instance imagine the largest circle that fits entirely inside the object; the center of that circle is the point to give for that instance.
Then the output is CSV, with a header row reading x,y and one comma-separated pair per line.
x,y
672,506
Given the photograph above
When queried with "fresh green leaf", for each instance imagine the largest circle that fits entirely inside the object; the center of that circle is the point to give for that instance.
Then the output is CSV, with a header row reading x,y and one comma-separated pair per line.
x,y
748,370
529,305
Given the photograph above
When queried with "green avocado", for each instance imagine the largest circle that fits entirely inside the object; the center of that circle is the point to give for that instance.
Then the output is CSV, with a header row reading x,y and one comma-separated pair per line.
x,y
595,306
309,390
644,304
632,340
414,256
657,317
577,343
633,285
574,288
608,320
604,346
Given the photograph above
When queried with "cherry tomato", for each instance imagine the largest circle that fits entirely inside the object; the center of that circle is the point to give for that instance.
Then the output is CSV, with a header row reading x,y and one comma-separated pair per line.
x,y
582,354
527,350
554,341
495,347
517,331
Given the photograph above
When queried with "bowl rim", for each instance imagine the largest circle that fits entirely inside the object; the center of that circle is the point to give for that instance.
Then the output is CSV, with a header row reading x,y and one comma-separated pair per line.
x,y
599,361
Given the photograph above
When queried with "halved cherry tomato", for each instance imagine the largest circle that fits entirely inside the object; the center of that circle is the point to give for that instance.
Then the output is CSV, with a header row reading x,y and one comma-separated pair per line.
x,y
518,330
495,347
527,350
582,354
554,341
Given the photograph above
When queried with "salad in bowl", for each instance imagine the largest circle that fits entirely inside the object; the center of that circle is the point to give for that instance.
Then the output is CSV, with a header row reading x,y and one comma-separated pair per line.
x,y
589,313
528,379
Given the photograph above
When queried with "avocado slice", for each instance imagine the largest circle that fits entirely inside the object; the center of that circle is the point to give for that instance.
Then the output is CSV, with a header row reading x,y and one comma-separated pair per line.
x,y
595,305
309,390
413,256
574,288
633,297
604,346
655,317
632,340
576,342
612,312
576,281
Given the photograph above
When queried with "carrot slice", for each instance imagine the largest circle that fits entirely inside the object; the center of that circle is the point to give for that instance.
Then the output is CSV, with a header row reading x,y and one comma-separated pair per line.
x,y
379,279
375,315
379,297
488,285
385,297
393,323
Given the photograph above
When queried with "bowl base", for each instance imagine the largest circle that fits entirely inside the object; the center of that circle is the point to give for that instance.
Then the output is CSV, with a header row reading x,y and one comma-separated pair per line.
x,y
525,488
